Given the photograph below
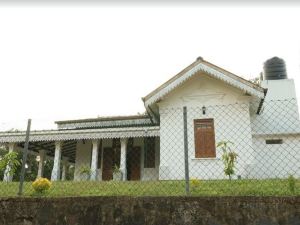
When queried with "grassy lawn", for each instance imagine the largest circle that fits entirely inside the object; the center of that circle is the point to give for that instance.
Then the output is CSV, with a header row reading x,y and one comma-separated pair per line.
x,y
271,187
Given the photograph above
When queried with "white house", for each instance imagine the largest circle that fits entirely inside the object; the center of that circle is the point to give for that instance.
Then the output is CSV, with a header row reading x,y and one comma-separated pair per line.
x,y
261,119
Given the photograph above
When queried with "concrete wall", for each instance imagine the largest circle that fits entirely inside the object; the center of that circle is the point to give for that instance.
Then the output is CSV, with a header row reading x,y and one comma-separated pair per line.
x,y
279,113
231,121
151,211
279,89
279,119
276,160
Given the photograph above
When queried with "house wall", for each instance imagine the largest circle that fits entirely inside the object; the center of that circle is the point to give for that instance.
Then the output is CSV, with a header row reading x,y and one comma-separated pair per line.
x,y
279,119
279,89
148,173
279,113
84,154
276,160
152,173
83,157
105,143
231,121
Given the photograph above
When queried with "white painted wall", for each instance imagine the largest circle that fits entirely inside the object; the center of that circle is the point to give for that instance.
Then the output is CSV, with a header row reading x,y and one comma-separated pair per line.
x,y
203,90
278,119
83,157
232,122
276,160
279,113
279,89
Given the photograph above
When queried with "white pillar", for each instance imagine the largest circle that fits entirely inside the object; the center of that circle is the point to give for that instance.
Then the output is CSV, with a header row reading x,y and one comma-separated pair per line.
x,y
42,155
94,164
8,177
123,158
55,175
64,168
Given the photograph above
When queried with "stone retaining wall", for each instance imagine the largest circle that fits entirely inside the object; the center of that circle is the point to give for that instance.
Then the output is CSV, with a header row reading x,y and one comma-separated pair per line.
x,y
151,211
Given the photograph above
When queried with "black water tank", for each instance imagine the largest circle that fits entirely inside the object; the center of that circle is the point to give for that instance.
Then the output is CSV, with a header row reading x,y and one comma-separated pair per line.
x,y
274,69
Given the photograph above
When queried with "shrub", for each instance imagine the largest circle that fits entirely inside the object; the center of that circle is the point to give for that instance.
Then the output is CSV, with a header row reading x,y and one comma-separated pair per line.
x,y
116,169
85,170
195,183
41,185
292,183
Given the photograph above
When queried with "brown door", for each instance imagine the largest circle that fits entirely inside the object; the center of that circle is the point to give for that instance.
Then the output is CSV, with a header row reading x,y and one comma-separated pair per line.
x,y
108,159
134,164
204,138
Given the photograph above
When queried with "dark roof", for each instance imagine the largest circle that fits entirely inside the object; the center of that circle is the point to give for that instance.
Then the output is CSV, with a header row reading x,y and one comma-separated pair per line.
x,y
109,118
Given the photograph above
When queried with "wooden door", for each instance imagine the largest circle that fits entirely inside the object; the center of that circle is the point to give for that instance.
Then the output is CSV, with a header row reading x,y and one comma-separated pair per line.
x,y
134,164
204,138
108,160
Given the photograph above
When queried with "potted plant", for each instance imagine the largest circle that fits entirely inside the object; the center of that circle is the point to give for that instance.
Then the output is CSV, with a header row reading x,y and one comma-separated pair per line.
x,y
117,173
85,173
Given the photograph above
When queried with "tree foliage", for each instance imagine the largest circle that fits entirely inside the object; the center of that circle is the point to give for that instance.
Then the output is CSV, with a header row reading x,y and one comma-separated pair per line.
x,y
31,169
229,157
9,163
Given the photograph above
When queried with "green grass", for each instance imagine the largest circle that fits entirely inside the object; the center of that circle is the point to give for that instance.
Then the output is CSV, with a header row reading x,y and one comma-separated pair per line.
x,y
270,187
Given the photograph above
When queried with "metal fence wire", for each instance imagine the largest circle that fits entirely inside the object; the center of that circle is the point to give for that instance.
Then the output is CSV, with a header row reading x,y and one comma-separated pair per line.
x,y
248,149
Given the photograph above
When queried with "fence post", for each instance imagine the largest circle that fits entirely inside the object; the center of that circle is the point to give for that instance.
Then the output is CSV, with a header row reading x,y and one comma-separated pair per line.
x,y
186,153
24,158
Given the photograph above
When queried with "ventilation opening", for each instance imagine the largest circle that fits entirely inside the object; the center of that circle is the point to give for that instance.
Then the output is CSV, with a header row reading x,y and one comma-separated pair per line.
x,y
274,141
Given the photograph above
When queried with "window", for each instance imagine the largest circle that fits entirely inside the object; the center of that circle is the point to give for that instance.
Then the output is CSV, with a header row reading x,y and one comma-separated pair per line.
x,y
149,152
274,141
204,138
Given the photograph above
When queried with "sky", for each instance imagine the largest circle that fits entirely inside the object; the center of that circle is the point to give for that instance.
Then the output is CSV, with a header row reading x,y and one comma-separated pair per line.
x,y
60,62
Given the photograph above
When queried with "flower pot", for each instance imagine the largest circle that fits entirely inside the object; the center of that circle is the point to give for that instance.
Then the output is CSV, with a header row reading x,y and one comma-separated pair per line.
x,y
84,177
117,176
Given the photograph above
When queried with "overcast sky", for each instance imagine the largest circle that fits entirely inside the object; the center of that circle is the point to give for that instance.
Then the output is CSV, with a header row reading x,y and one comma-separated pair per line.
x,y
63,62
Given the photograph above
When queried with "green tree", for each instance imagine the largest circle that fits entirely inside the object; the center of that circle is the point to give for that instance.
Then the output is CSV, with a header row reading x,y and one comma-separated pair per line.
x,y
3,151
9,163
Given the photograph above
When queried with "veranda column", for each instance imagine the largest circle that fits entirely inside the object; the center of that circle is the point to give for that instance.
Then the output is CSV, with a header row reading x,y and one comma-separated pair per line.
x,y
64,168
123,158
8,177
94,164
42,155
56,166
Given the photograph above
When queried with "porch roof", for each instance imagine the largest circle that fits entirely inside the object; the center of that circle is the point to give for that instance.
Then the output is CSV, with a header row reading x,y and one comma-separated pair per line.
x,y
84,134
106,122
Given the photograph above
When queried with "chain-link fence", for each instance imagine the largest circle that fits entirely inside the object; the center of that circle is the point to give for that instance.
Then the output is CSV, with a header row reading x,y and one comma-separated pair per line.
x,y
233,149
